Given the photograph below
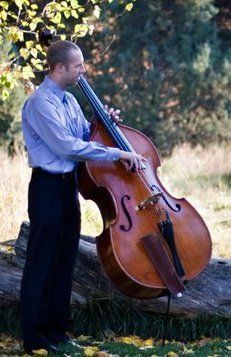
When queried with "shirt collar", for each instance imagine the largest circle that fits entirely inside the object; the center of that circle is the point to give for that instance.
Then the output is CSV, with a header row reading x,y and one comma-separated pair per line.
x,y
61,93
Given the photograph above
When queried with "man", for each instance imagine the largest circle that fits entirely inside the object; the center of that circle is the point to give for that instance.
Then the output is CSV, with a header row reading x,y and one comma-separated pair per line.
x,y
56,136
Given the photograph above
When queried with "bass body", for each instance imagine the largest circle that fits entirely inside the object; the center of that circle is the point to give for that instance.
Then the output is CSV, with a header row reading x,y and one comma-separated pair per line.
x,y
132,205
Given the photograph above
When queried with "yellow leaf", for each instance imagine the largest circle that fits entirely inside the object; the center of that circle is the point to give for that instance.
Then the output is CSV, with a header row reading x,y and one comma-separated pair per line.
x,y
18,3
96,11
129,6
74,14
21,36
74,4
33,26
135,340
149,342
4,4
90,351
57,18
67,14
81,30
102,354
39,47
34,6
24,52
34,52
91,29
29,44
172,354
3,15
40,352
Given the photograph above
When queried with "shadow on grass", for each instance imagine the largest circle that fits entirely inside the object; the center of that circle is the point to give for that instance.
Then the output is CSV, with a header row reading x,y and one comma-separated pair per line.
x,y
109,319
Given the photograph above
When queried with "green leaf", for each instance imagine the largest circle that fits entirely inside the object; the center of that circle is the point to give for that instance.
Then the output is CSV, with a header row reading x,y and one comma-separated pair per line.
x,y
4,4
63,37
57,18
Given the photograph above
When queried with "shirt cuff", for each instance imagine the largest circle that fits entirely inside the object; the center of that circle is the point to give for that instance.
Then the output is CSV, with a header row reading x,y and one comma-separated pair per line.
x,y
113,154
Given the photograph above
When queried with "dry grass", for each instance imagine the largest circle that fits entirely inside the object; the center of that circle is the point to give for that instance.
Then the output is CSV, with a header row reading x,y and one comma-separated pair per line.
x,y
203,176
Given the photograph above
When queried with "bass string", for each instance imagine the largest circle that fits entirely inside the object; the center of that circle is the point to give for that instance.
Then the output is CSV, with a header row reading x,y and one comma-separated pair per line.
x,y
147,176
97,105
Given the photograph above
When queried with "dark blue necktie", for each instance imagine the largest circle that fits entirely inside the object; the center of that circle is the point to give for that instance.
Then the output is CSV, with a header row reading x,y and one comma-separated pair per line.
x,y
65,99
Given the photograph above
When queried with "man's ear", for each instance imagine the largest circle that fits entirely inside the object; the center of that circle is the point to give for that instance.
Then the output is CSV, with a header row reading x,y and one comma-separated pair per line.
x,y
60,67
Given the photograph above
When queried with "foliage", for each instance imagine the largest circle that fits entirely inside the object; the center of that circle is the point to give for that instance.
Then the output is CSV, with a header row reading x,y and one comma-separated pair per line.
x,y
126,346
167,69
20,21
10,119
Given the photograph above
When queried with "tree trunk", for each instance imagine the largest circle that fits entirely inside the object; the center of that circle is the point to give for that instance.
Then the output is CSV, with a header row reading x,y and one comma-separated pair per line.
x,y
208,294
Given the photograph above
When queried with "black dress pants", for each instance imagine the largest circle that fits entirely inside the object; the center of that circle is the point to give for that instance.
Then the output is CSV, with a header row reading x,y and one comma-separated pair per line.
x,y
54,213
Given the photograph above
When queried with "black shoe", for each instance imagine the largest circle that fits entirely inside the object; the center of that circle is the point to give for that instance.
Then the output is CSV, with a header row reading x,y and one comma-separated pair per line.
x,y
60,338
55,338
48,347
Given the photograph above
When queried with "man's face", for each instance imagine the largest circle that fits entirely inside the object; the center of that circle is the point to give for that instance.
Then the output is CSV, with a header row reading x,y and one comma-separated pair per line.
x,y
74,68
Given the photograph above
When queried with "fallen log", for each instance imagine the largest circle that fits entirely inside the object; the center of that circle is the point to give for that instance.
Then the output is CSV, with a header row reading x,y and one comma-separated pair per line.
x,y
209,294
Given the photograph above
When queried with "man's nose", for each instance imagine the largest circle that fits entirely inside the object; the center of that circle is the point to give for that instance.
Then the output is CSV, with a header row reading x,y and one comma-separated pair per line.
x,y
83,69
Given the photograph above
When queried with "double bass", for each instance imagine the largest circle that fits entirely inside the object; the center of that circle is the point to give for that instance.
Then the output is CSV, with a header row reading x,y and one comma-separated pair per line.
x,y
152,244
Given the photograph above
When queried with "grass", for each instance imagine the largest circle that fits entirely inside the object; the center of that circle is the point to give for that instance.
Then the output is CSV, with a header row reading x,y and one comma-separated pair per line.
x,y
203,176
134,335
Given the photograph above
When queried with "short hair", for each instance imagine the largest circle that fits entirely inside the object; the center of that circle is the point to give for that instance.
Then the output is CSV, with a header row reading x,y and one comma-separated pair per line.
x,y
59,52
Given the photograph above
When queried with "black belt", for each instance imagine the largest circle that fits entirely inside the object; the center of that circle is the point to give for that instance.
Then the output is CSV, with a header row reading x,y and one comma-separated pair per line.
x,y
64,175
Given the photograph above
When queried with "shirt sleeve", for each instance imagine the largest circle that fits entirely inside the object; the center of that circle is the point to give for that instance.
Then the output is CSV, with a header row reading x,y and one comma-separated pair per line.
x,y
45,119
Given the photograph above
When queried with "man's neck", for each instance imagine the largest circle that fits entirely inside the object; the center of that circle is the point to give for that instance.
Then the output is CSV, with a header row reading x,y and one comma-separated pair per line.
x,y
57,81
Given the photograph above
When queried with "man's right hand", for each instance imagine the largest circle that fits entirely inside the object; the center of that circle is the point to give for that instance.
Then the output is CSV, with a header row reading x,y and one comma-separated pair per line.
x,y
132,160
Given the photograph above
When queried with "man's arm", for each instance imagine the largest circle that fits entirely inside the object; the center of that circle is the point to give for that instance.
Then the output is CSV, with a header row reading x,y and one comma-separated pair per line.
x,y
45,120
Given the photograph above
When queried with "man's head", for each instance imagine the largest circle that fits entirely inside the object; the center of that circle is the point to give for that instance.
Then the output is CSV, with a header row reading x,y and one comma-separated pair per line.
x,y
65,61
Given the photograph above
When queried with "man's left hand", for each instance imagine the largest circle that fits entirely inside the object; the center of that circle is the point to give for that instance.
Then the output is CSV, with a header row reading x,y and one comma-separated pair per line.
x,y
114,114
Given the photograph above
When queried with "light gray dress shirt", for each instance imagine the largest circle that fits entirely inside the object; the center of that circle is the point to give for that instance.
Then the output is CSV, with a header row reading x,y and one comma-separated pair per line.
x,y
56,133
